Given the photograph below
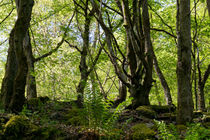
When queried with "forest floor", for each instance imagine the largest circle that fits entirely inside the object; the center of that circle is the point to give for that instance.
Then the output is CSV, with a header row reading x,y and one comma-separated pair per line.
x,y
43,119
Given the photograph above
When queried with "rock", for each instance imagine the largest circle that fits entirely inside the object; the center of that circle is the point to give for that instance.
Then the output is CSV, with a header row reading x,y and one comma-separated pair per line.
x,y
146,111
167,116
142,132
18,127
163,109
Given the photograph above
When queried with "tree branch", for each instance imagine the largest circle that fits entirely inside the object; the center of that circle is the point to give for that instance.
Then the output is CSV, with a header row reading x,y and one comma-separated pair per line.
x,y
7,15
161,30
58,45
73,46
206,75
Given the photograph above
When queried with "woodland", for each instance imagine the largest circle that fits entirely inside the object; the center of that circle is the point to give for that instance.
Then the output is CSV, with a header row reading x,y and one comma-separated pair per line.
x,y
105,69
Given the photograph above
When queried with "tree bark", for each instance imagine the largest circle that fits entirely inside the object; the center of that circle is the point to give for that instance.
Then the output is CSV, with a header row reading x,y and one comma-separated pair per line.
x,y
24,10
185,102
201,85
140,57
163,81
30,81
10,73
208,6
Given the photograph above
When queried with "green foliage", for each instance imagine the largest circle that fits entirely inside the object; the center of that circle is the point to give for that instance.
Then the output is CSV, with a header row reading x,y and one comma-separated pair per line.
x,y
197,132
25,111
141,132
167,132
189,132
75,117
97,110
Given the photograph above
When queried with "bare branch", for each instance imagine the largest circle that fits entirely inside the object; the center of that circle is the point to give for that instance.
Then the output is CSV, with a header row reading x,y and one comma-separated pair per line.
x,y
7,15
161,30
4,41
73,46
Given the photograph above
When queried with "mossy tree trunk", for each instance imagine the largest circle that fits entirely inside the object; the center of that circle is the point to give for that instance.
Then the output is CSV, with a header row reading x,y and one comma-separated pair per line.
x,y
185,102
10,73
13,86
31,80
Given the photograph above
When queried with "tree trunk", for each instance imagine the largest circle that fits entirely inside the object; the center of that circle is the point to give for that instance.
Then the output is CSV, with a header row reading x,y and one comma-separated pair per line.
x,y
122,94
140,58
201,85
208,6
185,102
201,99
24,10
10,73
83,65
163,82
30,81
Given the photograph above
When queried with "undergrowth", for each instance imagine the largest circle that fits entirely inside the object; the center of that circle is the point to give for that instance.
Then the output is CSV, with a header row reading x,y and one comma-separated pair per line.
x,y
188,132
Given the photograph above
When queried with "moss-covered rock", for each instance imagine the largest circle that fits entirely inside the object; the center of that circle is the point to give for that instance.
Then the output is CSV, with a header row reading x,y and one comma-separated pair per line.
x,y
163,109
18,127
166,116
142,132
146,111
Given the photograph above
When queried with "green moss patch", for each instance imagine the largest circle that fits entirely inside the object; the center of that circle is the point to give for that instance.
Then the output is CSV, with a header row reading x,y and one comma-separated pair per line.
x,y
18,127
163,109
146,111
142,132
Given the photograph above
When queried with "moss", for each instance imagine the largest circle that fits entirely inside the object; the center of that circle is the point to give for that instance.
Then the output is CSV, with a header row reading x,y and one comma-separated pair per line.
x,y
163,109
146,111
142,132
18,127
167,116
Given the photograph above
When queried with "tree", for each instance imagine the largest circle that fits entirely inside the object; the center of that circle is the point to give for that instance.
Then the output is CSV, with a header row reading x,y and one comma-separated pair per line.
x,y
208,6
139,46
13,85
84,69
184,45
163,81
